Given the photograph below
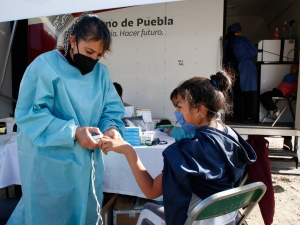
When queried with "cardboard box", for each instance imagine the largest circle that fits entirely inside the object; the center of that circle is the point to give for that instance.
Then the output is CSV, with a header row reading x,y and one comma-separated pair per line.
x,y
129,110
140,202
124,209
127,209
107,209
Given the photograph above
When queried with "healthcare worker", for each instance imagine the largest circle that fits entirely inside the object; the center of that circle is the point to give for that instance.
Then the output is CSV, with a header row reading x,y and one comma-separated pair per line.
x,y
65,97
194,168
238,56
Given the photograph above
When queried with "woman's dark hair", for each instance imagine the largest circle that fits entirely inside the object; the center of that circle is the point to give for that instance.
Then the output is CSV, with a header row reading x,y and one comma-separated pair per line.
x,y
91,28
212,93
174,93
88,27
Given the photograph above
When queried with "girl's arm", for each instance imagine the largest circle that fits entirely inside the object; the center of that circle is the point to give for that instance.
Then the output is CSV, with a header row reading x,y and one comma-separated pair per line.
x,y
152,188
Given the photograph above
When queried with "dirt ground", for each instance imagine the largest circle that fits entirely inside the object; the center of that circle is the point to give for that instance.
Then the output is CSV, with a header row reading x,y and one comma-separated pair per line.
x,y
287,202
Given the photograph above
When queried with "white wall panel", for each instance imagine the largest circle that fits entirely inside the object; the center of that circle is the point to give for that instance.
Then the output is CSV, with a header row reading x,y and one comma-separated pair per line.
x,y
148,67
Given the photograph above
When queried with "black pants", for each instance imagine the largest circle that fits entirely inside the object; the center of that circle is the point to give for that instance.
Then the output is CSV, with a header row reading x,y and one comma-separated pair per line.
x,y
243,102
267,101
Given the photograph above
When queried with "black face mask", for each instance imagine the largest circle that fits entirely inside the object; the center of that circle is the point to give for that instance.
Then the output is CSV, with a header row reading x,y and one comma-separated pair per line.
x,y
83,63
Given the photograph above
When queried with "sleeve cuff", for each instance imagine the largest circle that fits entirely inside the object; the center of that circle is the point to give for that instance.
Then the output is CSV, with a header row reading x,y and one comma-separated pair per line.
x,y
110,128
74,132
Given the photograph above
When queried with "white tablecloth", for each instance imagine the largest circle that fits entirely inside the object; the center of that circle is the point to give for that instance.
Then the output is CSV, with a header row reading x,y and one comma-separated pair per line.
x,y
118,175
9,161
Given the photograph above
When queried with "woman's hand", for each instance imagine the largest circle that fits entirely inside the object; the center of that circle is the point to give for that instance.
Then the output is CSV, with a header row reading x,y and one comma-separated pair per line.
x,y
117,145
84,138
113,133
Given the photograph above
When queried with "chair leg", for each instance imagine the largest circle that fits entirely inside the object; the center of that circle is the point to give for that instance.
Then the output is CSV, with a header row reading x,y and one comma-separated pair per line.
x,y
292,112
280,114
265,117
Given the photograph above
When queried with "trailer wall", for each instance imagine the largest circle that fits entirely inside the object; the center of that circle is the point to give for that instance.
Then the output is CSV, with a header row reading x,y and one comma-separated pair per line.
x,y
6,106
154,59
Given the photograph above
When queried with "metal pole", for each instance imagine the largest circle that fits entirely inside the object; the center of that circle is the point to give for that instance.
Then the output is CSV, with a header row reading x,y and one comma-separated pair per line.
x,y
221,52
7,54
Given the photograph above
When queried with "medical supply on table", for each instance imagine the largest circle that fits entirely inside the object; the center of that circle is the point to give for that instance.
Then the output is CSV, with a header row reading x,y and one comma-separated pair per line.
x,y
146,113
129,111
9,124
147,136
132,135
156,141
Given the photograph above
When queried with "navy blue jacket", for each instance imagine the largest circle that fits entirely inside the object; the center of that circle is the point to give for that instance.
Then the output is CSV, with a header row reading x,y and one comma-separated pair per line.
x,y
239,54
211,162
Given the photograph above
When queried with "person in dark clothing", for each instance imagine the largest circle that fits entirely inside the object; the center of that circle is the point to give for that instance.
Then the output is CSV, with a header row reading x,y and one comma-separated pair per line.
x,y
213,160
119,89
238,57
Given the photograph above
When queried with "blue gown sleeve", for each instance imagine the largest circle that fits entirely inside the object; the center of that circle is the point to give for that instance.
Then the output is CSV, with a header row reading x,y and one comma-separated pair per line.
x,y
179,133
113,111
243,49
34,110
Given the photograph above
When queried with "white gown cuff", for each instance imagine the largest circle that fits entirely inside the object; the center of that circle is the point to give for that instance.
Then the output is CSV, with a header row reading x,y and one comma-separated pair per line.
x,y
110,128
74,131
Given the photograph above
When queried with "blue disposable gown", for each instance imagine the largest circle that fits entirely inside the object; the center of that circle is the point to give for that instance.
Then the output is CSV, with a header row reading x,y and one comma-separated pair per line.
x,y
243,52
55,169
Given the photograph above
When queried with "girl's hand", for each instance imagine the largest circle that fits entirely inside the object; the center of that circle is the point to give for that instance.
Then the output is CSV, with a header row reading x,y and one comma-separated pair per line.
x,y
107,144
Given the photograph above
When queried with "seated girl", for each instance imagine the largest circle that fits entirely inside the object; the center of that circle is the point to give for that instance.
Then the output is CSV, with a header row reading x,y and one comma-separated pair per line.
x,y
194,168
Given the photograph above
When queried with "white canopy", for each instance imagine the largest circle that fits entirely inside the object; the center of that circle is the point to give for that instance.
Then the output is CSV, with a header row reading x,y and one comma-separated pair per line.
x,y
24,9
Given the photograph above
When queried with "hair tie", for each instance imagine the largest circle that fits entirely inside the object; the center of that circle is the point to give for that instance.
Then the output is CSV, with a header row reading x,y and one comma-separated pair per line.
x,y
215,83
70,31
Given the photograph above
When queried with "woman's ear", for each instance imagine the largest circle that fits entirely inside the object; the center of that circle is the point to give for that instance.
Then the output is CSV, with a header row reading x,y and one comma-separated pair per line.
x,y
72,41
